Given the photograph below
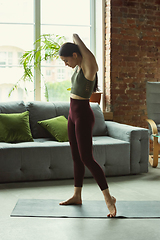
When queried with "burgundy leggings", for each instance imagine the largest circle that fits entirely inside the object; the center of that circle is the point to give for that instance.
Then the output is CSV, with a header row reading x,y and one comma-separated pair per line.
x,y
80,125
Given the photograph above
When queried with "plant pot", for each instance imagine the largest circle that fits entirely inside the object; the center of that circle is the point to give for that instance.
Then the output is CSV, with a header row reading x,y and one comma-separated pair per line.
x,y
96,97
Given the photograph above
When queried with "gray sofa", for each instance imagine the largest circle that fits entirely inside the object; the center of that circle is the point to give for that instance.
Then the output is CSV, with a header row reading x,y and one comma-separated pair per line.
x,y
119,149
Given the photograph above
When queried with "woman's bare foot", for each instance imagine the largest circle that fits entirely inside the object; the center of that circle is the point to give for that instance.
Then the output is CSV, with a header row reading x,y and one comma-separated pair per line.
x,y
111,207
76,199
72,201
110,202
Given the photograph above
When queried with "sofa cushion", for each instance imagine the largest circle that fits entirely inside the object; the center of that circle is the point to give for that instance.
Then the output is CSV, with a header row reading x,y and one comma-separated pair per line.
x,y
12,107
100,128
57,127
14,127
39,111
62,108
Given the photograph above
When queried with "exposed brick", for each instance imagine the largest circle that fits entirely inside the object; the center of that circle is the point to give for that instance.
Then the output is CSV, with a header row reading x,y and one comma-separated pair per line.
x,y
116,14
116,3
134,16
131,21
134,58
153,39
134,11
150,12
149,22
157,14
131,4
123,10
129,37
148,6
157,44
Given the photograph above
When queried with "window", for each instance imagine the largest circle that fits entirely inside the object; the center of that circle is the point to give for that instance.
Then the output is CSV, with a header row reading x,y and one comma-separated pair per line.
x,y
10,59
3,59
48,72
61,74
16,28
21,26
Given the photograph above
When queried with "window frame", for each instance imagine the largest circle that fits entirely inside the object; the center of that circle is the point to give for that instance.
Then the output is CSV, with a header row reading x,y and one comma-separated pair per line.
x,y
93,37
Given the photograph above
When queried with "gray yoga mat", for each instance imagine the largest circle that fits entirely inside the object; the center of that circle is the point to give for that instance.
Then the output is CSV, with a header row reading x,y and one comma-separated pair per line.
x,y
49,208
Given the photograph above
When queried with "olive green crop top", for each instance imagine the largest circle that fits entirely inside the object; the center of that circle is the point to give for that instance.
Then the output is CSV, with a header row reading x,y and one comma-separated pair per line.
x,y
81,86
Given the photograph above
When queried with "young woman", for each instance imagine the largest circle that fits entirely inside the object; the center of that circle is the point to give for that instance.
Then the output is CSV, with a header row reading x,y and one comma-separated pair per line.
x,y
81,119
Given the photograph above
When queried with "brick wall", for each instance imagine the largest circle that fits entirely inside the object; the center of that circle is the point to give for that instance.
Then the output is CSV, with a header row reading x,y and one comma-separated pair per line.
x,y
134,57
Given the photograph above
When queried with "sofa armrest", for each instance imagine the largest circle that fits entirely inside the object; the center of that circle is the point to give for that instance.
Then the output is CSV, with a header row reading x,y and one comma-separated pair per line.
x,y
139,143
123,131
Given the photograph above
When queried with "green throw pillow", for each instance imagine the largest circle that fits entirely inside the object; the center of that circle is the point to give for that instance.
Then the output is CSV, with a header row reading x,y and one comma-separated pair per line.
x,y
57,127
14,127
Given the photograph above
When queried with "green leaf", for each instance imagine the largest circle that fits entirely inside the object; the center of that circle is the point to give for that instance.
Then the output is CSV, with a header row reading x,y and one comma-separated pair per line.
x,y
46,47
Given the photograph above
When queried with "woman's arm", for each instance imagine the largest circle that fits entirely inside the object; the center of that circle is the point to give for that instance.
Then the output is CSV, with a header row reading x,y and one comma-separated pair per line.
x,y
89,64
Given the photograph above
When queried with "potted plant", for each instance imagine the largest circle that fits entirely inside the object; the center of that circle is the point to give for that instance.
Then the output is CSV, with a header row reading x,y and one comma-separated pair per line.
x,y
46,47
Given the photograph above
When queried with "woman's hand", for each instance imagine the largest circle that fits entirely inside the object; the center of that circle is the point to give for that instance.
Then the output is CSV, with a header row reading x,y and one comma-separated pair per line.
x,y
74,36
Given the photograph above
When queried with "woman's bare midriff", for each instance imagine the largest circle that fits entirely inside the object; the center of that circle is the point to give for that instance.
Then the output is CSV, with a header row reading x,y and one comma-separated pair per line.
x,y
77,97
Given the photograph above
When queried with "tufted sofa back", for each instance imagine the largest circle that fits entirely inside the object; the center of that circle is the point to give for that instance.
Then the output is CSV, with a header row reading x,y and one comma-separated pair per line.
x,y
39,111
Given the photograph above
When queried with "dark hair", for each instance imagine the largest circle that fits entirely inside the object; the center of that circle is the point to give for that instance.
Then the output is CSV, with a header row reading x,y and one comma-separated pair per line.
x,y
96,84
67,50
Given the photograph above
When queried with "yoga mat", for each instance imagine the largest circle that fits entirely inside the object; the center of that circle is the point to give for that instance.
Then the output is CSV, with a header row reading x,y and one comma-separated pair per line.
x,y
49,208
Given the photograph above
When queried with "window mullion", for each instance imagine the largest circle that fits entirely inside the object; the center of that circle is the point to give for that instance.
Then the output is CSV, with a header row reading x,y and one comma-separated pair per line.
x,y
37,33
93,26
